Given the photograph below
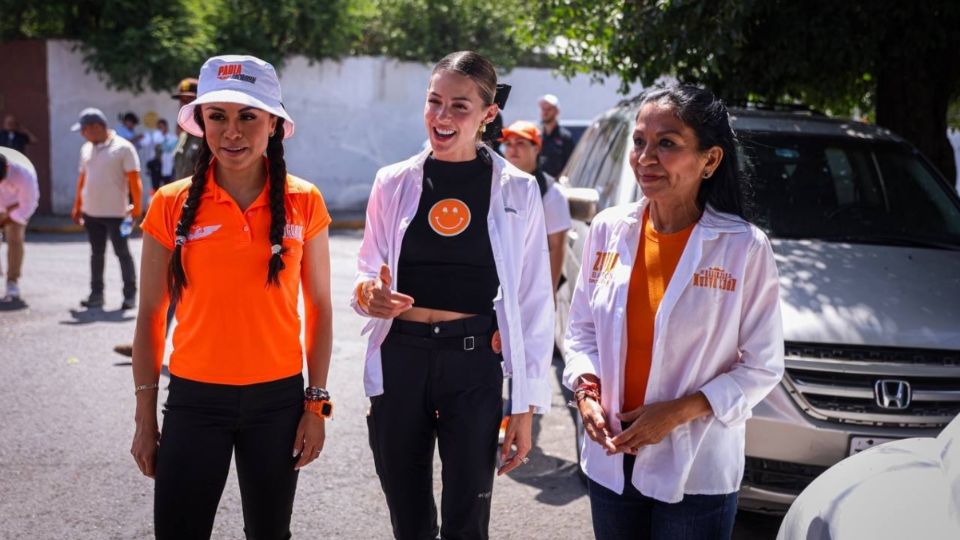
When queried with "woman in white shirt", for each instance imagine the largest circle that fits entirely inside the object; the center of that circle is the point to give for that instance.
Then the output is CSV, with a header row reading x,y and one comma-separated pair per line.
x,y
453,271
675,330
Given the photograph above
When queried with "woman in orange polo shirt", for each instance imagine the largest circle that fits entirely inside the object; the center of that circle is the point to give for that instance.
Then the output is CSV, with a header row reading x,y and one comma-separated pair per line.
x,y
230,247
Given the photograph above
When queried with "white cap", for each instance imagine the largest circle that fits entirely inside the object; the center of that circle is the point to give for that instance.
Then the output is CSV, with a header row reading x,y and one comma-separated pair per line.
x,y
551,99
246,80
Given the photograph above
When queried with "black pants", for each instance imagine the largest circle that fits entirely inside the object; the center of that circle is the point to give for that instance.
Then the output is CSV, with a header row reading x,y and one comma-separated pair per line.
x,y
98,229
434,390
203,425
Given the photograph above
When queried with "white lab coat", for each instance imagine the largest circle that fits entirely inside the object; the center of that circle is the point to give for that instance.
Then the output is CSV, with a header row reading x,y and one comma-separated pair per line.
x,y
524,304
711,334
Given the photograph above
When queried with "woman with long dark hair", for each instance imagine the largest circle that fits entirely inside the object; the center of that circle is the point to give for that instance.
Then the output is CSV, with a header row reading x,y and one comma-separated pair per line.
x,y
453,271
675,330
231,247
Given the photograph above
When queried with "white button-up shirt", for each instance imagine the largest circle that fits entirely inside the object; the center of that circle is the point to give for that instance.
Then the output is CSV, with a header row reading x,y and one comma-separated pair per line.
x,y
717,331
19,186
524,304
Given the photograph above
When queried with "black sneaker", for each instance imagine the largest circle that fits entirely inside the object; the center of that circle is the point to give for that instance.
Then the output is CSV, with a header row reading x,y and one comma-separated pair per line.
x,y
93,301
129,303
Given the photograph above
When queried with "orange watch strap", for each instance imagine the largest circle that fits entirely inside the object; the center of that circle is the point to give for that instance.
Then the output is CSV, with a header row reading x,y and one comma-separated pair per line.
x,y
319,408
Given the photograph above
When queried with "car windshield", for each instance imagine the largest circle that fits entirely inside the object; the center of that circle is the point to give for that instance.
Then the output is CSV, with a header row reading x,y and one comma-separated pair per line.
x,y
848,190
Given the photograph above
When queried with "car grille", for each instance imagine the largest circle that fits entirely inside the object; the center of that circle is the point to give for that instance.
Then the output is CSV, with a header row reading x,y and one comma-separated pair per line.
x,y
840,384
780,476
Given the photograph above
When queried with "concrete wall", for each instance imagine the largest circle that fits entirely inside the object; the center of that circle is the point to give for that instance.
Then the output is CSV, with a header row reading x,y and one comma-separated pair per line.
x,y
352,116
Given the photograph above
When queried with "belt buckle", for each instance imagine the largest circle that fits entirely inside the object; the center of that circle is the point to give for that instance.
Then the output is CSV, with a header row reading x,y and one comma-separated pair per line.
x,y
469,343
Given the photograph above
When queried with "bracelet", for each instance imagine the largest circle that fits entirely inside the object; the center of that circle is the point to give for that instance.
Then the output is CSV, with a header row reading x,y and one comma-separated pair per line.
x,y
361,299
587,390
581,394
315,393
139,387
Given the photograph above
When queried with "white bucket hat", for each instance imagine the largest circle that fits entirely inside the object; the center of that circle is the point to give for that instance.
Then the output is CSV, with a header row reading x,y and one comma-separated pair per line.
x,y
231,78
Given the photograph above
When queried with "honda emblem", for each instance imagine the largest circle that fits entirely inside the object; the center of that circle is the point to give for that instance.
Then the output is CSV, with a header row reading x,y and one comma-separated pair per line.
x,y
892,394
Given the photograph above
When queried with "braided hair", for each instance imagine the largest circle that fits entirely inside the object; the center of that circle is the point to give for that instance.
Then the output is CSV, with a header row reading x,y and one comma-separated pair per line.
x,y
176,276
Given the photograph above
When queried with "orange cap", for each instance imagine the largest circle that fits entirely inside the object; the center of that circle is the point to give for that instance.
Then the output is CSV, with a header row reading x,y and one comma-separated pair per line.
x,y
523,129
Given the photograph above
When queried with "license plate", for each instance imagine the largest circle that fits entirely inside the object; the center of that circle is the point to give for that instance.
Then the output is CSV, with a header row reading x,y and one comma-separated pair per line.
x,y
859,444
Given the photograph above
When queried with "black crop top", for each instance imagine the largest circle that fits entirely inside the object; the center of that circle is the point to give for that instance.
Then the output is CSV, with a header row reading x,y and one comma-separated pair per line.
x,y
446,261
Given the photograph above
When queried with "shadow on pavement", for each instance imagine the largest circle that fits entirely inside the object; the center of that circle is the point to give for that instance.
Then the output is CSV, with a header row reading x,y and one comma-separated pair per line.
x,y
87,316
15,304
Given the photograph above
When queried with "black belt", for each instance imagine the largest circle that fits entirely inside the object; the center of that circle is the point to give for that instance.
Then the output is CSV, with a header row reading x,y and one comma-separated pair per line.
x,y
471,333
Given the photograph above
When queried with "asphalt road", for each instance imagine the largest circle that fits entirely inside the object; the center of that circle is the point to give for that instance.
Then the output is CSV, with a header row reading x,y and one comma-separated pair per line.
x,y
66,420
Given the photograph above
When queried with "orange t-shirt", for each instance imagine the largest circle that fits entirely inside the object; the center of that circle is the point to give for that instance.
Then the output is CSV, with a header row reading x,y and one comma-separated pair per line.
x,y
233,328
656,260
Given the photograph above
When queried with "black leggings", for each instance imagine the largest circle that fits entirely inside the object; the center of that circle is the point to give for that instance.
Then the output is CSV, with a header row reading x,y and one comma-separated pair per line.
x,y
435,393
203,425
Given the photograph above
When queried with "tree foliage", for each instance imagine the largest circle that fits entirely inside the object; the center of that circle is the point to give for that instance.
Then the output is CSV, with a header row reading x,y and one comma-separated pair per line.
x,y
140,44
427,30
896,61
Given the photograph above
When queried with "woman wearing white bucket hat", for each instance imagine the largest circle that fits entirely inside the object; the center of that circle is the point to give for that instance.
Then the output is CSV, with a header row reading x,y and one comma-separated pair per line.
x,y
230,248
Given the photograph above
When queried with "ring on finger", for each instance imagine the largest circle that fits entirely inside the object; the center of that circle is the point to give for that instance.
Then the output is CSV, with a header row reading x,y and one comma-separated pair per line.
x,y
524,460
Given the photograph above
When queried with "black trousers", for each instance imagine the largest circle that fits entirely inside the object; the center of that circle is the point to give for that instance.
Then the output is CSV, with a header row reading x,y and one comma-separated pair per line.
x,y
98,229
437,392
203,425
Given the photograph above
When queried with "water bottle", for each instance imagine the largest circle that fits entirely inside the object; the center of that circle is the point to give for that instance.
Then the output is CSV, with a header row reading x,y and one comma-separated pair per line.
x,y
126,226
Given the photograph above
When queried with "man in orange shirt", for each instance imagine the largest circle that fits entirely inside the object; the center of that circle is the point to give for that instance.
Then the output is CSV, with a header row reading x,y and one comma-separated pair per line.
x,y
109,179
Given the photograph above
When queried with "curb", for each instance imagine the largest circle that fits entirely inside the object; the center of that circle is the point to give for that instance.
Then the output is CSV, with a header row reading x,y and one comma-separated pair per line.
x,y
73,228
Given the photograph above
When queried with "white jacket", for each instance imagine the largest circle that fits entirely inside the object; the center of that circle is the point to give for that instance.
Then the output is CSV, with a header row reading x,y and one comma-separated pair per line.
x,y
524,303
717,330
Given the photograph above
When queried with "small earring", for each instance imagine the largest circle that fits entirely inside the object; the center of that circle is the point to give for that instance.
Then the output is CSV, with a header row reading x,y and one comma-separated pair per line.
x,y
706,174
483,128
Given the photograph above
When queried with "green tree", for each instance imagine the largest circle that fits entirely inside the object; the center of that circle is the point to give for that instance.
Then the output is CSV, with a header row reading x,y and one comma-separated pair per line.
x,y
897,61
427,30
274,29
139,44
135,44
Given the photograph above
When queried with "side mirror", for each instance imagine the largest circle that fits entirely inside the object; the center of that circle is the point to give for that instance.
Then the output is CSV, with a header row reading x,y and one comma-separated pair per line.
x,y
583,203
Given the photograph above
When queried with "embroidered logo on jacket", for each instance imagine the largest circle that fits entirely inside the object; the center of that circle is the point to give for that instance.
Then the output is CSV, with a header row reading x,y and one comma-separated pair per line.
x,y
197,233
715,278
294,232
603,266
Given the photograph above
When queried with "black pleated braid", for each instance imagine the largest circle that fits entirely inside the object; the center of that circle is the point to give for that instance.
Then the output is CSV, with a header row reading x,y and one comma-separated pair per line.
x,y
176,277
278,212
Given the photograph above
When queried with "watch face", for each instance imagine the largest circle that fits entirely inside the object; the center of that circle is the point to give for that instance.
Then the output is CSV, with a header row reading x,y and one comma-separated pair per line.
x,y
326,409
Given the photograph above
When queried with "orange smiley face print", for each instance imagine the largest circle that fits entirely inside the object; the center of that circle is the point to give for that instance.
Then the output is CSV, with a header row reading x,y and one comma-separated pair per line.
x,y
449,217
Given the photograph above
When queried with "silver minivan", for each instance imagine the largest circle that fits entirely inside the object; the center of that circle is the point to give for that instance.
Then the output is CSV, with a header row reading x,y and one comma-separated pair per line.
x,y
866,235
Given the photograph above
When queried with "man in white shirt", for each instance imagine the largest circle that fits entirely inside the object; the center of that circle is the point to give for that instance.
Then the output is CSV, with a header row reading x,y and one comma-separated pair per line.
x,y
19,196
522,143
109,179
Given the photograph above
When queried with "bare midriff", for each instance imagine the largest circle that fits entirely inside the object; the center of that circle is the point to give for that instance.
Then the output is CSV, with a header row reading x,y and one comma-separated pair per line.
x,y
427,315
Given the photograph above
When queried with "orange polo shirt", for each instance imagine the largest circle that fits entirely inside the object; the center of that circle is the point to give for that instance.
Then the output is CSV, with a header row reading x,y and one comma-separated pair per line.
x,y
656,260
232,328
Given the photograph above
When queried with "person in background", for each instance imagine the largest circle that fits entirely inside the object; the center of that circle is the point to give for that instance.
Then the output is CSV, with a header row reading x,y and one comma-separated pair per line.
x,y
127,128
164,144
184,162
522,144
109,179
675,331
14,136
188,146
557,140
19,196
